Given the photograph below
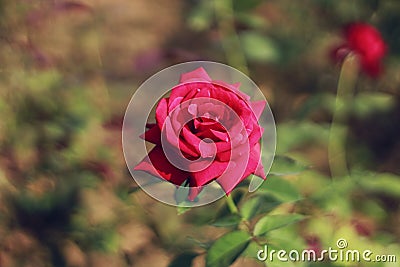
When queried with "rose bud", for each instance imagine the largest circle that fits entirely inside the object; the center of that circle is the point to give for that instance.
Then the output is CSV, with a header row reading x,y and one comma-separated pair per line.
x,y
314,244
366,43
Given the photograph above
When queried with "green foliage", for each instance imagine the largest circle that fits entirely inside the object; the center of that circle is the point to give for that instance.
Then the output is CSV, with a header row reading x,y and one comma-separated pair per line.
x,y
245,5
272,222
227,249
285,166
280,189
368,103
181,194
184,259
292,135
253,21
257,205
259,48
363,105
231,220
102,237
384,183
182,209
46,212
201,17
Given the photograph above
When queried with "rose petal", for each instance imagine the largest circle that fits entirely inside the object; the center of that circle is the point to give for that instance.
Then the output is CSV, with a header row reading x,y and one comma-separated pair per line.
x,y
255,135
186,91
212,111
212,130
259,171
213,171
207,150
223,136
371,67
193,192
254,166
224,156
197,75
366,41
153,135
190,139
234,88
158,165
177,118
193,90
150,125
177,142
162,112
192,109
172,105
258,107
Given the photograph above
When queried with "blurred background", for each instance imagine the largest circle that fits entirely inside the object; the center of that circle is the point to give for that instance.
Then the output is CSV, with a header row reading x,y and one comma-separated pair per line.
x,y
69,68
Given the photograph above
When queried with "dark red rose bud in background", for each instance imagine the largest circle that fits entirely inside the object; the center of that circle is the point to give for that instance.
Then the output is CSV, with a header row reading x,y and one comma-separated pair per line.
x,y
363,225
314,244
366,42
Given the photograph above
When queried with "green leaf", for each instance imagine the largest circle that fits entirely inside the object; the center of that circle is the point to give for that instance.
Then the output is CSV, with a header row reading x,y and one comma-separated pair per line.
x,y
42,82
102,237
201,16
272,222
181,210
257,205
259,48
251,250
201,244
230,220
295,134
240,5
227,249
283,239
134,189
362,105
181,194
279,188
316,103
252,20
184,259
382,183
286,238
368,102
283,165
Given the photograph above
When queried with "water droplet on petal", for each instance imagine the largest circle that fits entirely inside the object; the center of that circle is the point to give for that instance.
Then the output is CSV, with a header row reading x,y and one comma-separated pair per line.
x,y
207,150
192,109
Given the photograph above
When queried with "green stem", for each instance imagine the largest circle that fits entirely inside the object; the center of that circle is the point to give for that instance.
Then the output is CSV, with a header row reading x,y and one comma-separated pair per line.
x,y
231,204
230,40
338,132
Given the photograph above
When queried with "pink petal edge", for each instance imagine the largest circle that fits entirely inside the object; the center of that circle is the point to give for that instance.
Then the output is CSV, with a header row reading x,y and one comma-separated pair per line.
x,y
198,74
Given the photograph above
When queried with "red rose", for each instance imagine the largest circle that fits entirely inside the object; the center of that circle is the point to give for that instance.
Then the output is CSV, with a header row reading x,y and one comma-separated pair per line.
x,y
205,130
366,42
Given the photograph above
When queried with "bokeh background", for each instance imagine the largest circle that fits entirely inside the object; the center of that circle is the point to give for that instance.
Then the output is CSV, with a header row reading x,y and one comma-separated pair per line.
x,y
69,68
